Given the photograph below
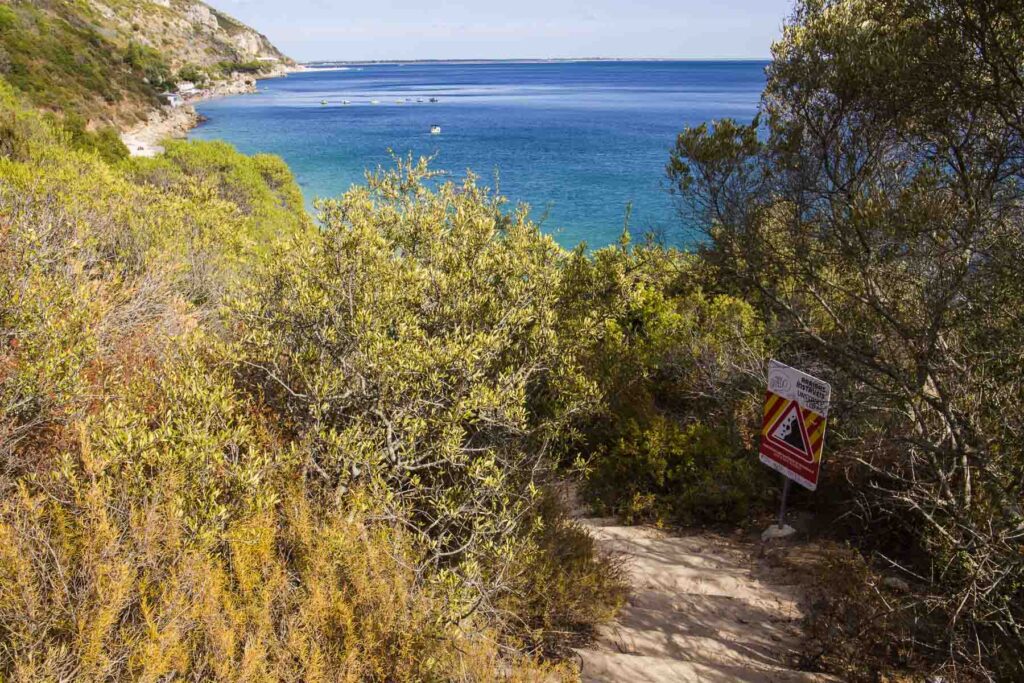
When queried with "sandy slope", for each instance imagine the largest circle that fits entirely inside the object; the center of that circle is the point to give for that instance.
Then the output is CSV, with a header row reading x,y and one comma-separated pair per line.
x,y
702,609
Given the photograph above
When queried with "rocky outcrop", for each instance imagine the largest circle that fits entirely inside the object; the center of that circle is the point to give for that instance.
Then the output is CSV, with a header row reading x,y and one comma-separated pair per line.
x,y
202,15
249,44
185,32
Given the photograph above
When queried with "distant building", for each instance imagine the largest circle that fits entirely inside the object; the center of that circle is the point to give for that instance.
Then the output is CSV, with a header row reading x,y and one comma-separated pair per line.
x,y
267,59
173,99
185,87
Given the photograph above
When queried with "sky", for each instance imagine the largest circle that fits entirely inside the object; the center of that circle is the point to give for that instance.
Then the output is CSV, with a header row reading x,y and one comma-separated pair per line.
x,y
310,30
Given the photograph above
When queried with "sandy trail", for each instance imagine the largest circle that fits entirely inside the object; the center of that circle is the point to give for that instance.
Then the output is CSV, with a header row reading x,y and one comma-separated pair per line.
x,y
703,608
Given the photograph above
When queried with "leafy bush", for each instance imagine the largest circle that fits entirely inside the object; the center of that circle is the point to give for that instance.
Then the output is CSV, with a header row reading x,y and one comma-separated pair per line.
x,y
253,67
260,186
564,588
677,369
8,18
168,509
410,345
105,575
193,74
151,64
23,133
663,472
105,141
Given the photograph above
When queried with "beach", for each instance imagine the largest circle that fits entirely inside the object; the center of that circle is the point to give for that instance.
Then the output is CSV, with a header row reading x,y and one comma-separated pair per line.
x,y
172,122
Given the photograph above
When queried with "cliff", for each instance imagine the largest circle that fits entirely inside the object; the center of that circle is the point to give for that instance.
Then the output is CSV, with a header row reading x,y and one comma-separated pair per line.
x,y
187,32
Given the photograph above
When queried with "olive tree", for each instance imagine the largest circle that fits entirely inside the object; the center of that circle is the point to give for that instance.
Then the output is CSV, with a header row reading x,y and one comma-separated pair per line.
x,y
410,342
874,211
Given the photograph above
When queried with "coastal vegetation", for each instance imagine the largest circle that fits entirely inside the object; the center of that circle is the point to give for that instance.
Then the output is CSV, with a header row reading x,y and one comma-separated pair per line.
x,y
238,442
109,62
69,66
237,446
872,218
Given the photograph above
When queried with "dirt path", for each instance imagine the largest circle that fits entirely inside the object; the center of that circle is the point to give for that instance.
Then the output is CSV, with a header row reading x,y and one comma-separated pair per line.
x,y
702,609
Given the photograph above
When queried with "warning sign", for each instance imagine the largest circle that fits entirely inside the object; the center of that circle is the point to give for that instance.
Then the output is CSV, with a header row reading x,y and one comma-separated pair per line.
x,y
793,430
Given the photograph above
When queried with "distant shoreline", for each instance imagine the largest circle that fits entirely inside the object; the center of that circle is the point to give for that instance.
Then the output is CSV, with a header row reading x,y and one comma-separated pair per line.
x,y
166,122
320,63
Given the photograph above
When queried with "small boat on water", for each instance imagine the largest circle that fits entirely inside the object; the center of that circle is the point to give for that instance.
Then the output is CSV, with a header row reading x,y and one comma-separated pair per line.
x,y
323,103
419,99
433,99
435,129
345,102
374,101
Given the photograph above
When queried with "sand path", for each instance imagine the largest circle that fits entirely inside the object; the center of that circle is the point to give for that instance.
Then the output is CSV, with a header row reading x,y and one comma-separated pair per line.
x,y
703,608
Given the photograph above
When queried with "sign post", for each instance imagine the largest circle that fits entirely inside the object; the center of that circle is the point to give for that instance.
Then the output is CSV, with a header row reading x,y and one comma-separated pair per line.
x,y
793,432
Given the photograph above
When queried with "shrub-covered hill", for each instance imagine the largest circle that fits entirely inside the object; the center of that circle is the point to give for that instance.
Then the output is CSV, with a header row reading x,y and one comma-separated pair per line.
x,y
108,62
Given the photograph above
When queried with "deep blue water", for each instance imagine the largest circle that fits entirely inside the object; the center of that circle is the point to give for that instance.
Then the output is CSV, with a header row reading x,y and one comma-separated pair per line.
x,y
578,141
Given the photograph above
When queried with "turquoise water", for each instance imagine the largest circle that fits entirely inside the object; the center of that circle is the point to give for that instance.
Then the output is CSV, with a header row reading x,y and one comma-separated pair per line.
x,y
578,141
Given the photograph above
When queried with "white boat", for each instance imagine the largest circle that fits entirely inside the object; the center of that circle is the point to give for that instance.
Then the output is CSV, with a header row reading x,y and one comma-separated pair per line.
x,y
374,101
345,102
435,129
323,103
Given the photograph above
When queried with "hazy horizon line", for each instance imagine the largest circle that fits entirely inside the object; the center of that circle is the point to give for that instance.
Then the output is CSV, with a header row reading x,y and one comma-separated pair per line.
x,y
464,60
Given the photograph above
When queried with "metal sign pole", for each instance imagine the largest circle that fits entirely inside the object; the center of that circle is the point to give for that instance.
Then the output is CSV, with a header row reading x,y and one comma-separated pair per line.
x,y
780,530
785,495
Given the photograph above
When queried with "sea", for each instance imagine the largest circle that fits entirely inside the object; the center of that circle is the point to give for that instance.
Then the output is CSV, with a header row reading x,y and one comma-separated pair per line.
x,y
583,143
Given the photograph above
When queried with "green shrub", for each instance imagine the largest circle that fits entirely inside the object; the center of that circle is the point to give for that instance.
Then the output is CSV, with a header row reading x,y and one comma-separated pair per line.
x,y
292,594
410,345
192,73
151,64
159,513
564,586
676,368
105,141
261,186
251,67
8,18
663,472
854,214
23,133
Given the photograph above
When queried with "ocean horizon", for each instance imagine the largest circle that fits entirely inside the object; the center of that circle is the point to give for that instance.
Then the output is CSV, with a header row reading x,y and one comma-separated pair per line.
x,y
584,142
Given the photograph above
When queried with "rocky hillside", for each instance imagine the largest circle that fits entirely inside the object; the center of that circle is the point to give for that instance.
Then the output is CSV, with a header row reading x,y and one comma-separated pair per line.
x,y
187,32
107,62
